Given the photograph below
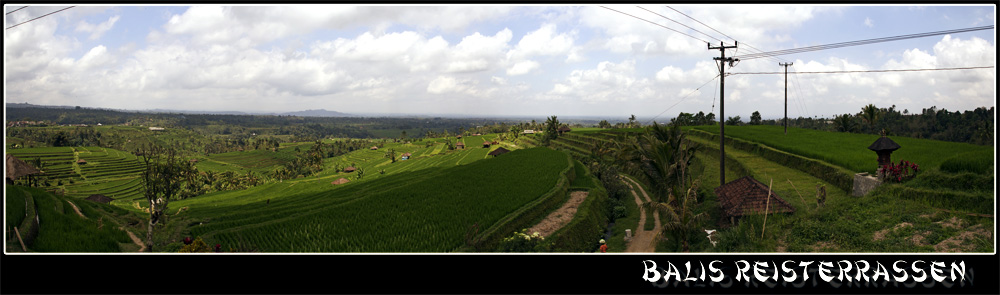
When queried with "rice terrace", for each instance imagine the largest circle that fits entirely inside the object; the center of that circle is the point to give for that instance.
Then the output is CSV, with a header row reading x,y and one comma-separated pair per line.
x,y
214,154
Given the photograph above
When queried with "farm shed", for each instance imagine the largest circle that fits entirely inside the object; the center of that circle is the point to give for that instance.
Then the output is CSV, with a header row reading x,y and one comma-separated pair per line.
x,y
746,196
349,169
564,129
486,144
405,156
528,131
81,161
460,145
340,181
99,198
883,147
459,136
193,160
374,148
498,151
17,168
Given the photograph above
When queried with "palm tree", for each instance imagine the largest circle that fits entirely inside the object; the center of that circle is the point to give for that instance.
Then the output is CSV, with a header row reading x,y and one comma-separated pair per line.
x,y
870,114
680,217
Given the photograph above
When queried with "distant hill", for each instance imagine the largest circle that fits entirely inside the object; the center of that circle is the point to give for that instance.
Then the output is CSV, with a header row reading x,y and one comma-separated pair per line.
x,y
316,113
306,113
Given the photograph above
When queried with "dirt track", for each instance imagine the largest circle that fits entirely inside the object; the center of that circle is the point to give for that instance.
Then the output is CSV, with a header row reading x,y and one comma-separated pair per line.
x,y
643,241
562,216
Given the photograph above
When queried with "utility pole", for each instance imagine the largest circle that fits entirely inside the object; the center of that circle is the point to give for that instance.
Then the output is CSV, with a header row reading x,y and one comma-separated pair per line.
x,y
786,93
722,105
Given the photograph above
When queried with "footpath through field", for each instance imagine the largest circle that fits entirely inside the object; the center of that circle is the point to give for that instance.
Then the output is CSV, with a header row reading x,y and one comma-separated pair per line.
x,y
561,217
643,241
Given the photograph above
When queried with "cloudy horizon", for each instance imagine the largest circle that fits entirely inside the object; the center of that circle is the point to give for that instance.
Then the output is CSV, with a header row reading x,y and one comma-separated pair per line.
x,y
494,60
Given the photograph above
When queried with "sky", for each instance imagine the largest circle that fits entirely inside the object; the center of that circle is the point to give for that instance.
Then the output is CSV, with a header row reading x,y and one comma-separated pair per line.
x,y
496,60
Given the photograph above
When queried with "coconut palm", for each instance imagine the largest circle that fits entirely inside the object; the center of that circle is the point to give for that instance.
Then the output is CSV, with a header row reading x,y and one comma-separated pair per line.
x,y
870,114
679,215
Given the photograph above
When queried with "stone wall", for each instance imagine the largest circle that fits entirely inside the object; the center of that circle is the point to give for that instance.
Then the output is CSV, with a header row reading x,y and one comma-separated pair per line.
x,y
864,183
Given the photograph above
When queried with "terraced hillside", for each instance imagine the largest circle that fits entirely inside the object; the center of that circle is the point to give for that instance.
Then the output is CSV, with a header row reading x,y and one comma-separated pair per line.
x,y
420,205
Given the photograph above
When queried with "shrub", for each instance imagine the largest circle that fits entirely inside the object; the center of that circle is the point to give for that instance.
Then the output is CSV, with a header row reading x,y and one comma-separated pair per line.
x,y
523,242
903,171
197,246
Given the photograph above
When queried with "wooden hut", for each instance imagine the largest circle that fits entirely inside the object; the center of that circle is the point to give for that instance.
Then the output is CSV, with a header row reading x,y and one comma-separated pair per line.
x,y
747,196
349,169
340,181
405,156
17,168
99,198
563,129
374,148
81,161
486,144
883,147
498,151
459,136
460,145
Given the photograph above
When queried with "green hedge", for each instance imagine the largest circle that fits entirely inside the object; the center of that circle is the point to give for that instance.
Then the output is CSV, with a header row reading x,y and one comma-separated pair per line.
x,y
839,177
942,198
530,213
29,226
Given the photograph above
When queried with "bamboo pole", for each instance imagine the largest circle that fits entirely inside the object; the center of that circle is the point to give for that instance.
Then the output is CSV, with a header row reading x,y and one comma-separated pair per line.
x,y
797,191
16,232
767,206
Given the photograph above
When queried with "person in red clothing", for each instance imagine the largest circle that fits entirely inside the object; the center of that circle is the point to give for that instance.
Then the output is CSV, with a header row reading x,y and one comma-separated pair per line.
x,y
604,246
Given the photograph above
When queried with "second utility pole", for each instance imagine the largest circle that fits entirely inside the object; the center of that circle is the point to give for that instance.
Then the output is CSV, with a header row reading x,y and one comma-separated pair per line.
x,y
722,105
786,93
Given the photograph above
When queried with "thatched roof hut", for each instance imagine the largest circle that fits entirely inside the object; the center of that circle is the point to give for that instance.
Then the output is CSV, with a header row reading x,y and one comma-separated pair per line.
x,y
486,144
883,147
349,169
99,198
748,196
81,161
563,129
374,148
460,145
459,136
17,168
498,151
340,181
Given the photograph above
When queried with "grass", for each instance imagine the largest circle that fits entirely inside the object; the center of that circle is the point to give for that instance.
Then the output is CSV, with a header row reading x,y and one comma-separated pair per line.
x,y
850,150
844,224
403,211
62,230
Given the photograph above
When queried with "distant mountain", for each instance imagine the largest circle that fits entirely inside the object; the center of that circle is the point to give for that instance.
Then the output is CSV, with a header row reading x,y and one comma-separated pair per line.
x,y
28,105
316,113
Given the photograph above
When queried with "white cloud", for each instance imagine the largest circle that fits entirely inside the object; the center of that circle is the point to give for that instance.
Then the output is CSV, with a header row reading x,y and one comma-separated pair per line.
x,y
522,68
869,23
96,31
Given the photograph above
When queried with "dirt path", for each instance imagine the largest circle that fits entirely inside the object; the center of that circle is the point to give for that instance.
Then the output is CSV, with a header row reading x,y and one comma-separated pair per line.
x,y
77,209
643,241
562,216
135,239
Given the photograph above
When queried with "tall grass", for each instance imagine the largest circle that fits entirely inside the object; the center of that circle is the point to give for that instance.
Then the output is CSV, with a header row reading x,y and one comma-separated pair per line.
x,y
850,150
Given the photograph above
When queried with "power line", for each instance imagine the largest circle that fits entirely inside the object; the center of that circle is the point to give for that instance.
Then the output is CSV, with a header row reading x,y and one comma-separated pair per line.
x,y
682,99
717,31
8,28
12,11
679,32
859,42
710,36
868,71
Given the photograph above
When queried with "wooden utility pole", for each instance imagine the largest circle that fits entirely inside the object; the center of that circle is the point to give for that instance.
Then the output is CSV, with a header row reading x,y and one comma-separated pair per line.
x,y
722,105
786,93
